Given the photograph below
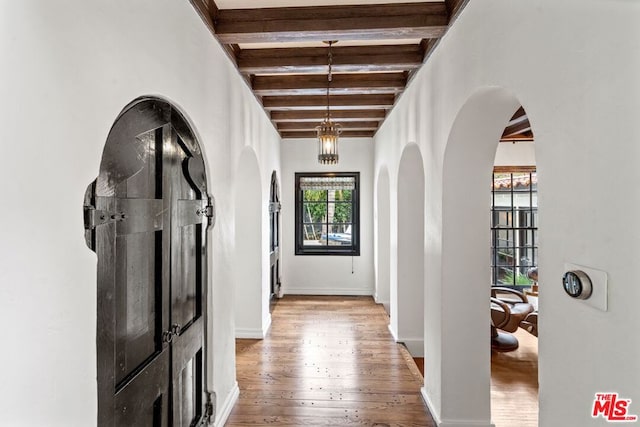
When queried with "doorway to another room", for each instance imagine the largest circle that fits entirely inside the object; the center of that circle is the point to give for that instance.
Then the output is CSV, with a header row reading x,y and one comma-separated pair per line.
x,y
514,277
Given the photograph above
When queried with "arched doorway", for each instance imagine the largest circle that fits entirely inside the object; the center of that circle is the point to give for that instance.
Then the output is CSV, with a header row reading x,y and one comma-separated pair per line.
x,y
466,251
383,254
274,239
408,318
514,266
146,217
252,318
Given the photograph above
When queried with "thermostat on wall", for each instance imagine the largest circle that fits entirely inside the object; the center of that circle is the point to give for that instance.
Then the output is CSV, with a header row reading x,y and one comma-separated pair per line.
x,y
577,284
586,284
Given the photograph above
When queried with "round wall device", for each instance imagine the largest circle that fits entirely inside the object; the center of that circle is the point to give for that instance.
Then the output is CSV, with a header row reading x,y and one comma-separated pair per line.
x,y
577,284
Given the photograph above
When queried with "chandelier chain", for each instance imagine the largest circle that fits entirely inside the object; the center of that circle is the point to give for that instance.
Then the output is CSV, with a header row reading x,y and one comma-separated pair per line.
x,y
329,77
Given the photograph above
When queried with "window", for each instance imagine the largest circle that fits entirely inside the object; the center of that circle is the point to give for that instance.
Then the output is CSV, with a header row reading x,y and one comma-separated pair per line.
x,y
327,215
514,226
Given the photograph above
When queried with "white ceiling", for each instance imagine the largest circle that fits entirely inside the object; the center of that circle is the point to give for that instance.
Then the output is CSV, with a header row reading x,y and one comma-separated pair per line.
x,y
256,4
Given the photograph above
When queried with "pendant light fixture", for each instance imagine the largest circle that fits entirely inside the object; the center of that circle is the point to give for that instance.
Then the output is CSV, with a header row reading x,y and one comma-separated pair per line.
x,y
328,131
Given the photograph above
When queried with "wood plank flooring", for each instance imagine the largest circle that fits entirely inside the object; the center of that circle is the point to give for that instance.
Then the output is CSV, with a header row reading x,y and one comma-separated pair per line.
x,y
327,361
514,384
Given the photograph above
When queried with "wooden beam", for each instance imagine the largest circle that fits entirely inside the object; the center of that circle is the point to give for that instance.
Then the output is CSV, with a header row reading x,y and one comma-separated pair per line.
x,y
318,115
316,84
523,137
313,134
513,169
314,102
291,126
517,128
359,22
345,59
519,113
454,7
207,10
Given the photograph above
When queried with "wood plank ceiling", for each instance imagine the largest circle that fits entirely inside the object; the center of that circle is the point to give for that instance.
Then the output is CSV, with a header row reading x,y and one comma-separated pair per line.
x,y
518,129
279,50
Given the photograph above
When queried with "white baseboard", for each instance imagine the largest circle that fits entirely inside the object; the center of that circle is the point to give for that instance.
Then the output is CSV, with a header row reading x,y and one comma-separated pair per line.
x,y
450,423
393,333
414,345
326,291
224,411
465,423
266,326
435,414
249,333
254,333
385,304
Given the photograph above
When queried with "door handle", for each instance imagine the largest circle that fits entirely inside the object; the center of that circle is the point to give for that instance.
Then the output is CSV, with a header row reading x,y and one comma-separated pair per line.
x,y
175,329
168,336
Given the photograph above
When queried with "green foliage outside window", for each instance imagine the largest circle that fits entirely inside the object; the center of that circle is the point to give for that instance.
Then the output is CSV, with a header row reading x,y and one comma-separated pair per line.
x,y
317,212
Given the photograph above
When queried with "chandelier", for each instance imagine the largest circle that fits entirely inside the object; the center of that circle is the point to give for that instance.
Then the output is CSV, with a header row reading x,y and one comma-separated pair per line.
x,y
328,131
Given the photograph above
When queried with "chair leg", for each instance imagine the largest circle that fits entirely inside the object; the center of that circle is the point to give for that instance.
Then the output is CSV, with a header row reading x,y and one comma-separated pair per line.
x,y
502,341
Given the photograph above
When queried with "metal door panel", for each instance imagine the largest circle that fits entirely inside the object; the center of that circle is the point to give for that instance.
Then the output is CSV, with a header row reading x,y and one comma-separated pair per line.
x,y
187,376
186,278
186,249
139,215
145,220
191,211
187,288
138,298
145,399
274,231
134,139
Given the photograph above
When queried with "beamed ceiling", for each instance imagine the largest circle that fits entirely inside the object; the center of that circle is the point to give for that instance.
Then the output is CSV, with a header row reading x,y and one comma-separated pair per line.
x,y
279,50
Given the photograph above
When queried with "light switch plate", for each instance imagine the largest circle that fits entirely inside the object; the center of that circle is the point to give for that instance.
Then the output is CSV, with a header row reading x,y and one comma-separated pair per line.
x,y
599,284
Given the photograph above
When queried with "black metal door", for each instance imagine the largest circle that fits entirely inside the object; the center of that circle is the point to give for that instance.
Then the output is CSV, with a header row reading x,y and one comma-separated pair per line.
x,y
146,218
274,220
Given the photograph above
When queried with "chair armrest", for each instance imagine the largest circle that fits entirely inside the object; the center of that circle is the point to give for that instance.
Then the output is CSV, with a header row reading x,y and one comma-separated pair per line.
x,y
498,289
506,308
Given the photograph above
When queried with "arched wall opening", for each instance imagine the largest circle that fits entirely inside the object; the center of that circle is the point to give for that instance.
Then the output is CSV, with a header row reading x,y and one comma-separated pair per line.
x,y
514,264
464,393
407,319
383,254
249,295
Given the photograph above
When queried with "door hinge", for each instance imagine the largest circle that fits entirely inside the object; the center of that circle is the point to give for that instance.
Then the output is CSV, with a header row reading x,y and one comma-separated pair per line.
x,y
274,207
94,217
209,210
210,408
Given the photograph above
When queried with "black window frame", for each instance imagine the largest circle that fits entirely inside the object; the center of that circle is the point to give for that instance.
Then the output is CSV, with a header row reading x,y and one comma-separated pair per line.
x,y
512,212
344,250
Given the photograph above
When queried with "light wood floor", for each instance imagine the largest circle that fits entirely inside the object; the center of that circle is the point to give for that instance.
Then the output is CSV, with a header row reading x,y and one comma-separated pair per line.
x,y
514,384
327,361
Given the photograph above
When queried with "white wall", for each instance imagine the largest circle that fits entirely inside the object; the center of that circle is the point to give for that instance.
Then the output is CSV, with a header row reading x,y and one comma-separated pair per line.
x,y
327,275
252,317
407,300
69,67
382,240
573,65
518,154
